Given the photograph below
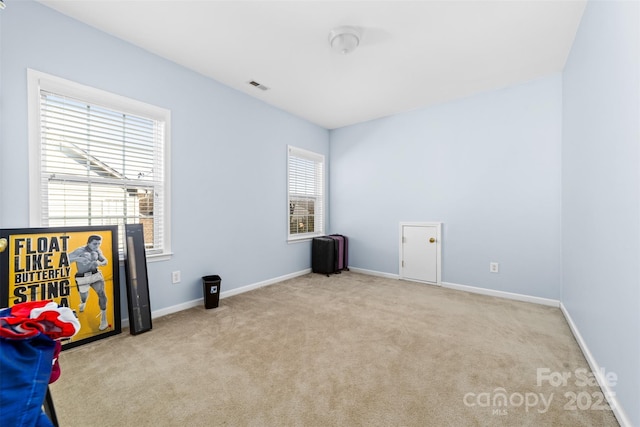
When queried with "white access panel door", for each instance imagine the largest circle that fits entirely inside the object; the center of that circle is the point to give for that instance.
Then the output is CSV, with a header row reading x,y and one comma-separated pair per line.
x,y
420,252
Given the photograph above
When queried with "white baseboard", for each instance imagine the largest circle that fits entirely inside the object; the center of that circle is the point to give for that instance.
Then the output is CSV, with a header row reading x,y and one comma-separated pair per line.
x,y
176,308
374,273
466,288
169,310
503,294
225,294
268,282
617,409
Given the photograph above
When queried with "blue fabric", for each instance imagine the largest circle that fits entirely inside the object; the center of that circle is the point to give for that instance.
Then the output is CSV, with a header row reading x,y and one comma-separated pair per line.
x,y
25,369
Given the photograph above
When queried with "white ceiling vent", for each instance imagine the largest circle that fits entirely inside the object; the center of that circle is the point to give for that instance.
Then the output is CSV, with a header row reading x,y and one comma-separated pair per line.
x,y
258,85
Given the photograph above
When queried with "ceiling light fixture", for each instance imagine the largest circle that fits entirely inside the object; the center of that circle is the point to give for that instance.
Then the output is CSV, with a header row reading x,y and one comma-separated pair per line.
x,y
344,39
2,5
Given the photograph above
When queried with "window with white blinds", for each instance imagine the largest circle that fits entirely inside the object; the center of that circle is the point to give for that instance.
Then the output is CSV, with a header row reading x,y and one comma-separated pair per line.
x,y
305,174
100,160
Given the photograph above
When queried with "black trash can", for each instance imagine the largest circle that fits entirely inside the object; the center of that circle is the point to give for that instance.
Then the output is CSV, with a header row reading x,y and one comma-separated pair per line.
x,y
211,289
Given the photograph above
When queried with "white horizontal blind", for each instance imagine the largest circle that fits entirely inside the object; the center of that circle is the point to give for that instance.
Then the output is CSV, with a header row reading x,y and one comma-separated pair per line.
x,y
306,193
100,166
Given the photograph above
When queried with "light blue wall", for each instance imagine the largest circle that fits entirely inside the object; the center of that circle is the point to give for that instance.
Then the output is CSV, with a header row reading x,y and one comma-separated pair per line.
x,y
228,151
601,191
487,166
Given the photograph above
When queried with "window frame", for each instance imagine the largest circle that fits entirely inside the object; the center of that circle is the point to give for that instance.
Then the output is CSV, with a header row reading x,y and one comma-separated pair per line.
x,y
318,158
38,81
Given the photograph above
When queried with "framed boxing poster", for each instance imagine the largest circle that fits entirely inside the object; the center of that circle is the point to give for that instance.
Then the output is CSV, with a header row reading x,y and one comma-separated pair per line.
x,y
76,267
135,269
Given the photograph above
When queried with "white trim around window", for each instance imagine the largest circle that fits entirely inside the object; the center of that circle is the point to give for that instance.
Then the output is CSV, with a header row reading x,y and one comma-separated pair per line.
x,y
305,194
137,162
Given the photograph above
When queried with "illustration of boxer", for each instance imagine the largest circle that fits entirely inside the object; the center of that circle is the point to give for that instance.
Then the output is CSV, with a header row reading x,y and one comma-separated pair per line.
x,y
88,258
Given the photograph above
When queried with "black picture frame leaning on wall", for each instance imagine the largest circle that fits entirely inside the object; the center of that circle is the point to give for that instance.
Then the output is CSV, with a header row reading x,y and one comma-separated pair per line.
x,y
135,267
75,267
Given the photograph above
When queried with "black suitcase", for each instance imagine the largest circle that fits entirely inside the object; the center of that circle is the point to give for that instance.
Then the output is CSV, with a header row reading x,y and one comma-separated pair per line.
x,y
324,255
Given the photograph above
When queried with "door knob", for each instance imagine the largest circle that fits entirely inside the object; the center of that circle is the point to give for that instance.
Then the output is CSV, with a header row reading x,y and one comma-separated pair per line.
x,y
431,240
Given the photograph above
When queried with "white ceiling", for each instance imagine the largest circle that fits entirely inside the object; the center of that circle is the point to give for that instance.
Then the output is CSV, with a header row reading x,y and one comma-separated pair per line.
x,y
412,53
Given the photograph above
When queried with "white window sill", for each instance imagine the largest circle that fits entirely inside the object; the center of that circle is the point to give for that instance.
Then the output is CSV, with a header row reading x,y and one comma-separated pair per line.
x,y
304,238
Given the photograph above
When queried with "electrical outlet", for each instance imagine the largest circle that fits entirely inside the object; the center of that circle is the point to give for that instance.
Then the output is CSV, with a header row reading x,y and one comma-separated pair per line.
x,y
175,277
493,267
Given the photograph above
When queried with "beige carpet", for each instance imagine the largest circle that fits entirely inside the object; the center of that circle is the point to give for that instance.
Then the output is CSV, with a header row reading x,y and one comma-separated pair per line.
x,y
349,350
